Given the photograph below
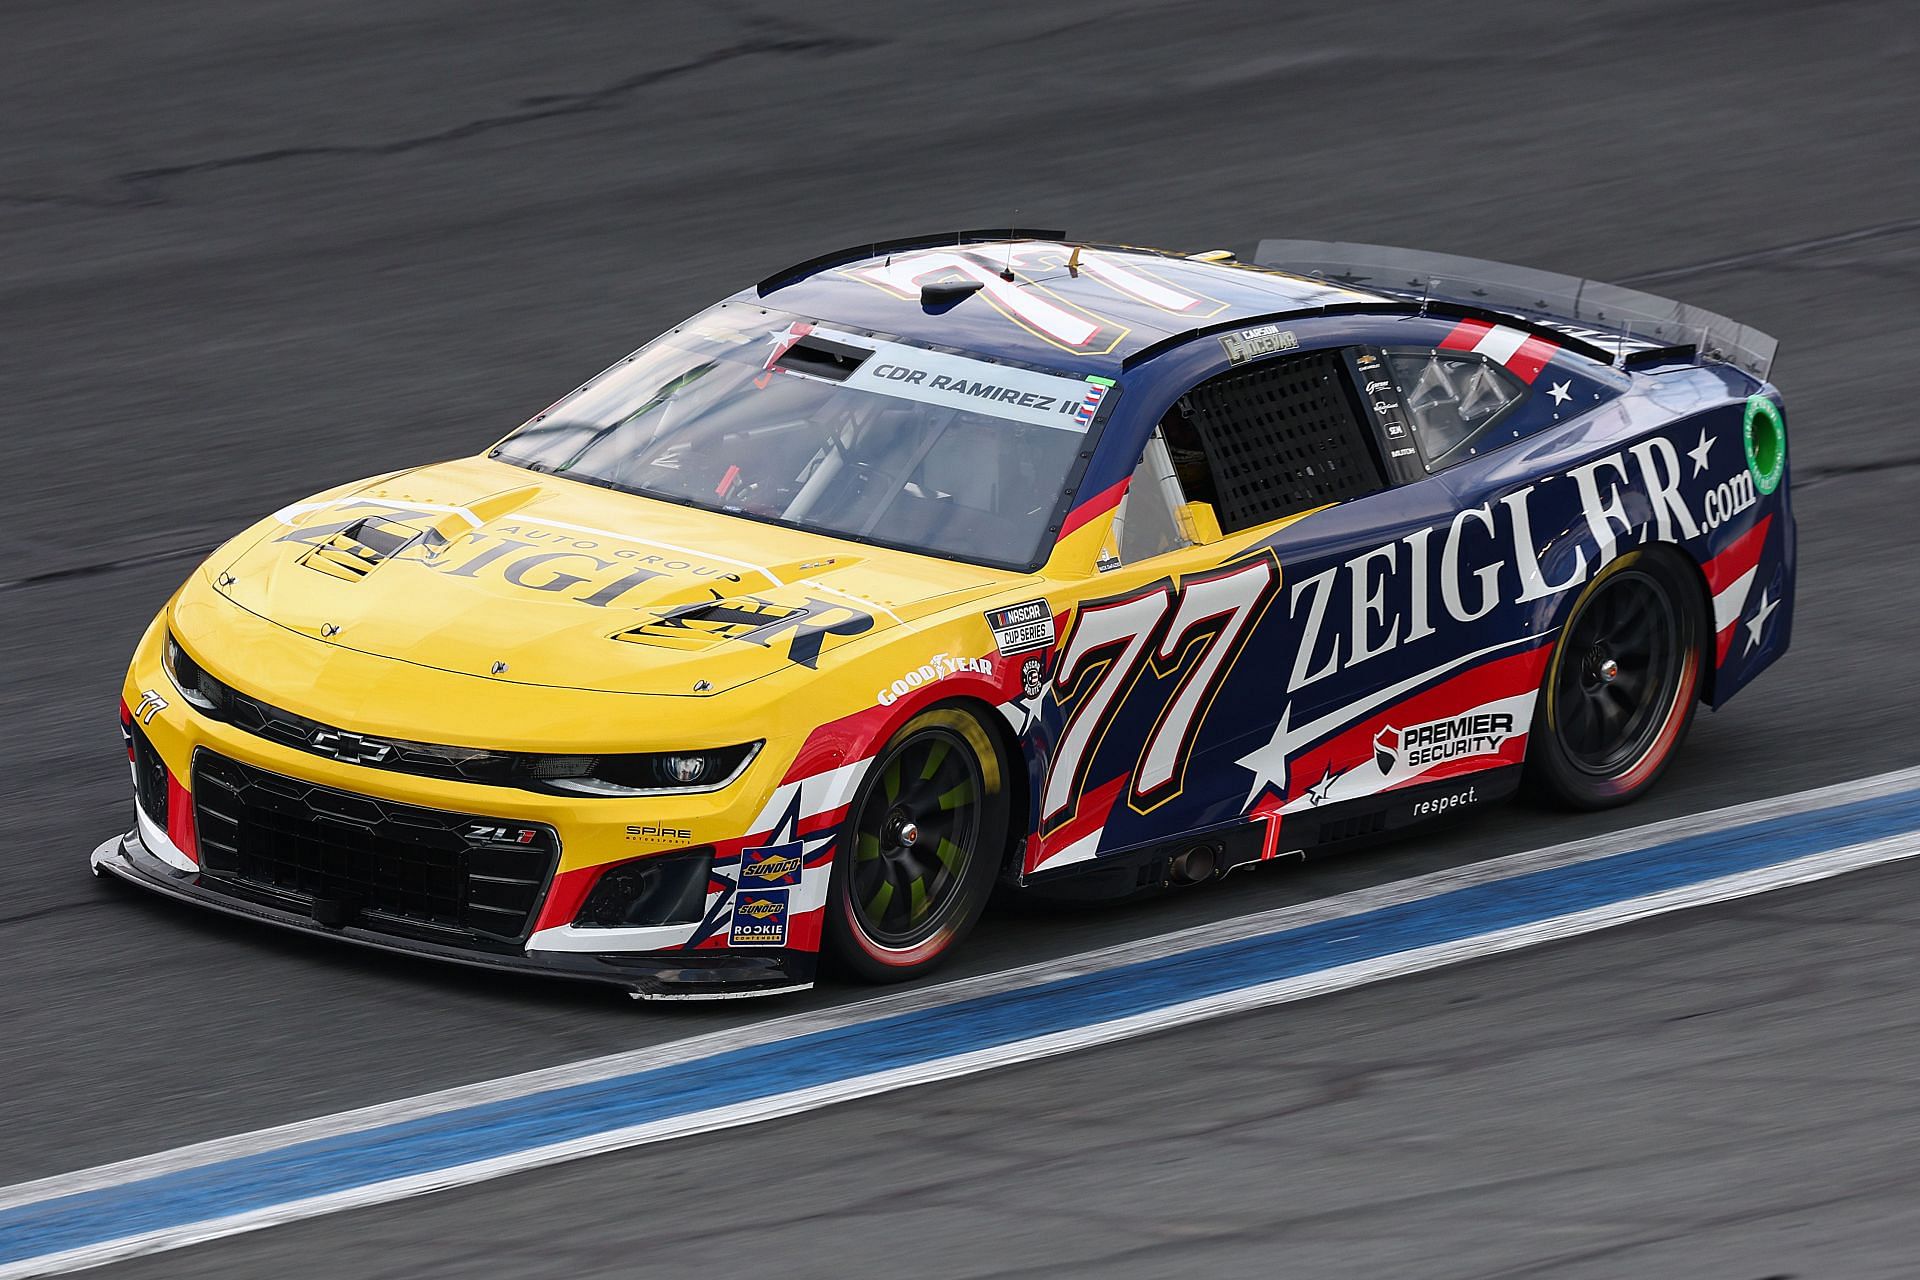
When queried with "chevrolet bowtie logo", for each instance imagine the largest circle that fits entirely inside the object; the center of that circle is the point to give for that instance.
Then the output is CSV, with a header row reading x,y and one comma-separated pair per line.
x,y
349,747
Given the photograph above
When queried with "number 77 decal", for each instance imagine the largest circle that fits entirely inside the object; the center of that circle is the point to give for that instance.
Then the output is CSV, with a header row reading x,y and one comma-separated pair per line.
x,y
1200,626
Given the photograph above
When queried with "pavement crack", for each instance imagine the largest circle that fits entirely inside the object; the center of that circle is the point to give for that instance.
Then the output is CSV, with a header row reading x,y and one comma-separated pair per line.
x,y
1808,477
1754,257
37,199
543,107
107,566
137,184
41,913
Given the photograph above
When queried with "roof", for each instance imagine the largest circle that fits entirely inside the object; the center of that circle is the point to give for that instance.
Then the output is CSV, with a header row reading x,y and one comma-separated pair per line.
x,y
1059,311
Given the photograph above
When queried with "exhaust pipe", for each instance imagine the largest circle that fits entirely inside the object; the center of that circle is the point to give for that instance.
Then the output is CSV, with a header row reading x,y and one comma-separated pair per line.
x,y
1192,866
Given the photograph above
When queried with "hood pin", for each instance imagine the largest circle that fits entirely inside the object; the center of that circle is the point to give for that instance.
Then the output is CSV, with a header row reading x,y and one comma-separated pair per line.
x,y
499,668
329,629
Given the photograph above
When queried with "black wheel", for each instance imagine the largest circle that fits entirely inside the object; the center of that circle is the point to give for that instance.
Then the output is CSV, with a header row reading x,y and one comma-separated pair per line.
x,y
920,850
1620,691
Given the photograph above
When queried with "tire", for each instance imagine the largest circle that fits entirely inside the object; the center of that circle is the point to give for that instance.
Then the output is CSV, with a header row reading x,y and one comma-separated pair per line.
x,y
1621,689
897,905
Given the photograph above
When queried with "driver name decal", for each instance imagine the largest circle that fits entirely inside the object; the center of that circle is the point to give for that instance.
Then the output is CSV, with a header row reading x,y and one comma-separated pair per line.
x,y
957,382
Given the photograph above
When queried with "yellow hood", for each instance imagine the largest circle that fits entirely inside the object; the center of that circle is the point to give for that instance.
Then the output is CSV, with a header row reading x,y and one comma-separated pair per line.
x,y
486,569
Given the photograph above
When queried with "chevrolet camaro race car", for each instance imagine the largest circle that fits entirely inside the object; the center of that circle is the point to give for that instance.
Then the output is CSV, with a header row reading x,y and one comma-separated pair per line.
x,y
970,561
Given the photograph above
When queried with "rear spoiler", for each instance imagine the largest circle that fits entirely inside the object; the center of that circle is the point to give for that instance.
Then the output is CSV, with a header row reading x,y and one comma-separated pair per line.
x,y
1624,321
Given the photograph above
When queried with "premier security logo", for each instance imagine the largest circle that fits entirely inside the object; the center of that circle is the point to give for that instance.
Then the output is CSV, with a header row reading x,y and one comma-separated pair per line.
x,y
1418,746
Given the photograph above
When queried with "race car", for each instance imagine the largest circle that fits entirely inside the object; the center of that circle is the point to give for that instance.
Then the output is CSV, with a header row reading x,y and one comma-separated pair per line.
x,y
970,561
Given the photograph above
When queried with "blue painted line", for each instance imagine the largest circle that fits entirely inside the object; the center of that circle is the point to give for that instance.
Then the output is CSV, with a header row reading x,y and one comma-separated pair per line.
x,y
322,1166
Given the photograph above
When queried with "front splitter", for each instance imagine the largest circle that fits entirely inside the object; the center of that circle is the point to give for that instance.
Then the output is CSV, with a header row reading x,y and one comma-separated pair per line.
x,y
663,975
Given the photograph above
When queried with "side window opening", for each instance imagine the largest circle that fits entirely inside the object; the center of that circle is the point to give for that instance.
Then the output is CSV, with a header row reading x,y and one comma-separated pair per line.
x,y
1452,399
1271,440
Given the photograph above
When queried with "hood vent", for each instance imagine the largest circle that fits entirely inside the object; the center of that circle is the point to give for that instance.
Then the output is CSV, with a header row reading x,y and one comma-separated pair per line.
x,y
357,550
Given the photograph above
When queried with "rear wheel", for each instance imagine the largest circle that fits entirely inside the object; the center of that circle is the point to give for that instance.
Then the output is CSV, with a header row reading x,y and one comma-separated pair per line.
x,y
1621,689
920,849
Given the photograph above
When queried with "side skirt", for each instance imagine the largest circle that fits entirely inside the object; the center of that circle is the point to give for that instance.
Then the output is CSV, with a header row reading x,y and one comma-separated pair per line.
x,y
1352,824
1310,833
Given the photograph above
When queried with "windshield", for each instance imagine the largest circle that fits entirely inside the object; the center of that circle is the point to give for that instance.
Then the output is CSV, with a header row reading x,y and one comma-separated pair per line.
x,y
759,413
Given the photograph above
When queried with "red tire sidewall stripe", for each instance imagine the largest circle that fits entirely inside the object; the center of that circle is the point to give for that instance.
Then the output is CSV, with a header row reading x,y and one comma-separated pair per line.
x,y
1649,764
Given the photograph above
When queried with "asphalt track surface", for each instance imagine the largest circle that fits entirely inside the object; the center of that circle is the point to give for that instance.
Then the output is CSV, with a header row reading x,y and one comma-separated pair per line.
x,y
246,253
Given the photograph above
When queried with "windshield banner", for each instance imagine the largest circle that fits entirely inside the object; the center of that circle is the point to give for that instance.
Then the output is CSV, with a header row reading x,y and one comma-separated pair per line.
x,y
955,382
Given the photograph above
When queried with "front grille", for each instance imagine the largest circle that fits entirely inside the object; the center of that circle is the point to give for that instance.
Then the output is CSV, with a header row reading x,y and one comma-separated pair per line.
x,y
149,779
458,764
352,859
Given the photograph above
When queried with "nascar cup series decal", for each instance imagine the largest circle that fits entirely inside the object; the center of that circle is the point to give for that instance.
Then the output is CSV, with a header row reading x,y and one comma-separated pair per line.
x,y
1022,628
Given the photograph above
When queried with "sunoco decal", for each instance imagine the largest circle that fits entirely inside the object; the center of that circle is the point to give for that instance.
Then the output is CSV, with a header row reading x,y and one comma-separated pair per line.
x,y
775,866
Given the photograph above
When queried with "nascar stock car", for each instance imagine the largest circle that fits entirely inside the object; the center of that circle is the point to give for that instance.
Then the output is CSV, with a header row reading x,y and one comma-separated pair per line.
x,y
970,561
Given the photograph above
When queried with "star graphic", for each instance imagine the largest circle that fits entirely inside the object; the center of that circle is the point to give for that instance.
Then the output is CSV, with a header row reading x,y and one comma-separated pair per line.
x,y
1758,622
1699,452
1561,391
1318,791
783,339
1268,764
1030,709
785,838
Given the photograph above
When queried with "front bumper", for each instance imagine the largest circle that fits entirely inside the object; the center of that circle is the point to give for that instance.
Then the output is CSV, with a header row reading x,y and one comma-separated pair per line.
x,y
663,975
755,933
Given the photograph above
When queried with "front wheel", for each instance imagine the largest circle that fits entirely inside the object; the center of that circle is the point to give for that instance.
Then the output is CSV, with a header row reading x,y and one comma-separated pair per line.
x,y
1620,691
920,849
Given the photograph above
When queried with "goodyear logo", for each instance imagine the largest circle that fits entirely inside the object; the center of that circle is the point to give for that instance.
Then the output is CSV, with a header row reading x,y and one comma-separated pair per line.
x,y
760,920
776,865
